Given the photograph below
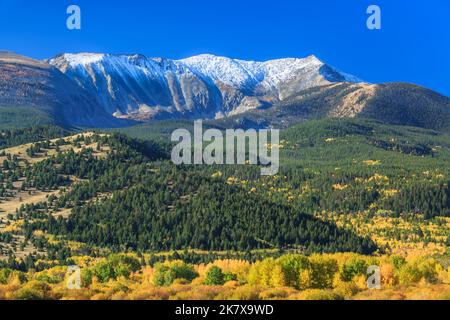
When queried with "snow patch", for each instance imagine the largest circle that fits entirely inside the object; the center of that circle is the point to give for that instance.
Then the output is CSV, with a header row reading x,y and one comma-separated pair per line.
x,y
82,58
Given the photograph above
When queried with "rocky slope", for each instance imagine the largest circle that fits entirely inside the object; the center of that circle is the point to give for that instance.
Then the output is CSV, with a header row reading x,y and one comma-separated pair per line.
x,y
36,87
204,86
393,103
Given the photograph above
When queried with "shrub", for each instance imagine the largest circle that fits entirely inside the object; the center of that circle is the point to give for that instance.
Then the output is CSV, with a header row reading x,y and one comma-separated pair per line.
x,y
34,290
199,293
214,277
415,271
17,278
180,281
245,293
104,271
322,273
276,293
346,289
228,276
166,273
116,265
231,284
318,294
293,266
163,276
52,276
398,261
353,267
4,275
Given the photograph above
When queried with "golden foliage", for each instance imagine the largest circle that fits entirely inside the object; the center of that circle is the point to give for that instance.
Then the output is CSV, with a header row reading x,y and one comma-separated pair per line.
x,y
292,276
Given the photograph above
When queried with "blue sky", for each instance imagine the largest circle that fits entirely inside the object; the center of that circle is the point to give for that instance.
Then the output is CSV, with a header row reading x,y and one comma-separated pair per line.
x,y
413,45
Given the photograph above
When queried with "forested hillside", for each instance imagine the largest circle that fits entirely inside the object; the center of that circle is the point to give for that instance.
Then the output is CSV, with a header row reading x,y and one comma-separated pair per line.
x,y
344,186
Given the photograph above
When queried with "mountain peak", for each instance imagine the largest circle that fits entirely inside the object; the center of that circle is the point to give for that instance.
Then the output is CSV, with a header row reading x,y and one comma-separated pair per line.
x,y
314,58
84,58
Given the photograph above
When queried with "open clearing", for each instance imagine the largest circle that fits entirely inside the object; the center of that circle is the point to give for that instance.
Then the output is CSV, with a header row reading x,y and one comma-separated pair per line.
x,y
23,198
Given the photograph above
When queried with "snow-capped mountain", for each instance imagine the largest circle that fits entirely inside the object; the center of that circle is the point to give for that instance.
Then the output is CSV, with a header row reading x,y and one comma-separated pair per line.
x,y
204,86
101,90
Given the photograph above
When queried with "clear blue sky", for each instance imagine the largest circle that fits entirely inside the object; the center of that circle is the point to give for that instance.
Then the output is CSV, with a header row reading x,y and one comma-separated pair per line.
x,y
413,45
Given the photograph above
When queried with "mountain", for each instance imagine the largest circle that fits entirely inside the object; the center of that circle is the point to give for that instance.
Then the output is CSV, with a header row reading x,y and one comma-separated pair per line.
x,y
104,90
392,103
204,86
34,92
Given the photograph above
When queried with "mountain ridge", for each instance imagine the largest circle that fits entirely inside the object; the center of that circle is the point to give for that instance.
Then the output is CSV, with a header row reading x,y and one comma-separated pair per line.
x,y
391,103
105,90
203,86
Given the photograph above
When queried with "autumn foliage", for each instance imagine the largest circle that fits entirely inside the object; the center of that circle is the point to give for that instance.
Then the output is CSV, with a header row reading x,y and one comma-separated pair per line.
x,y
292,276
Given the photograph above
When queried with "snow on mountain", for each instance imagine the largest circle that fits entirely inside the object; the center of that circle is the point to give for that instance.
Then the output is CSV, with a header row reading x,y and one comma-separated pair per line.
x,y
241,73
203,86
229,71
82,58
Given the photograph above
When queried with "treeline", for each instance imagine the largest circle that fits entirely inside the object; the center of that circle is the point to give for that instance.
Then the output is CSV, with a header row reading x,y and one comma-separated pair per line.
x,y
10,138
